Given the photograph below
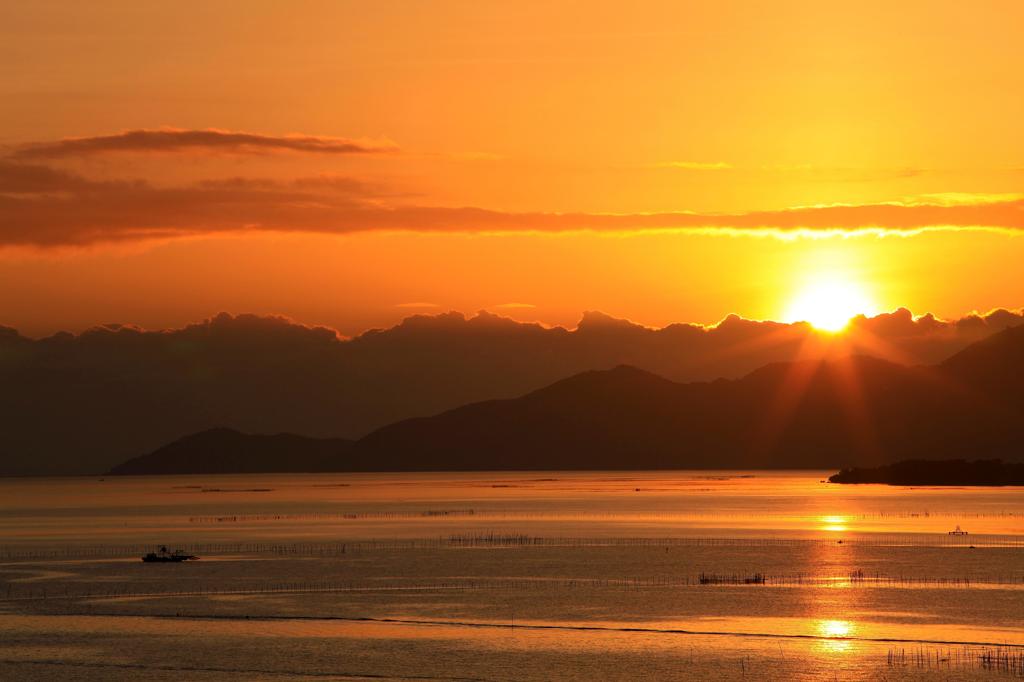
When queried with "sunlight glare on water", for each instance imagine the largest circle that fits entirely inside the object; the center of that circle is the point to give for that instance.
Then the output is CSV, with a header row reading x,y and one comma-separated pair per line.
x,y
709,575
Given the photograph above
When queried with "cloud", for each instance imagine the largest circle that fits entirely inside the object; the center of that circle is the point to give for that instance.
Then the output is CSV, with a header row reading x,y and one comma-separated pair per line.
x,y
209,140
20,178
43,205
966,198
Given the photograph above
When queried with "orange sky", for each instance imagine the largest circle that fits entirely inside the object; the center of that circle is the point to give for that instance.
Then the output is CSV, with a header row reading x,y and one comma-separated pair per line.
x,y
349,141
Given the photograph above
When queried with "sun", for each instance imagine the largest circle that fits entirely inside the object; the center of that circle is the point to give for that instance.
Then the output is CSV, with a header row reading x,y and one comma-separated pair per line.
x,y
829,304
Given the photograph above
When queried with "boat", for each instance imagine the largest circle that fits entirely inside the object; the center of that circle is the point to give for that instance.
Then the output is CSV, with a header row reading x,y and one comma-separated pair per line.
x,y
958,531
165,556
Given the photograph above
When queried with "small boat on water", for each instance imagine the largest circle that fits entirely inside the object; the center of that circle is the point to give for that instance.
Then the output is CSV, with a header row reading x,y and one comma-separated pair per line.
x,y
164,556
958,531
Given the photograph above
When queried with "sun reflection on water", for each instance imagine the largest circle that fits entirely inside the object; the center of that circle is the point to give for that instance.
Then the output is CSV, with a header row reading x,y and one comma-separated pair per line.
x,y
836,634
834,523
835,628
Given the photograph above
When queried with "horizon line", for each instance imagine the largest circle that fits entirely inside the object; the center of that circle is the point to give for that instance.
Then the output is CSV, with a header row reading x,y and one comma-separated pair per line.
x,y
483,313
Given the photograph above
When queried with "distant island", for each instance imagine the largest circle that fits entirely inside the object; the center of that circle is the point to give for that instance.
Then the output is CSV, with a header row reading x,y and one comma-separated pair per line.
x,y
982,472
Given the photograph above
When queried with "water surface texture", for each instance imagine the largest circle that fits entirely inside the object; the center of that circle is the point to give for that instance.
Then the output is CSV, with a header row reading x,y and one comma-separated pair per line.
x,y
510,576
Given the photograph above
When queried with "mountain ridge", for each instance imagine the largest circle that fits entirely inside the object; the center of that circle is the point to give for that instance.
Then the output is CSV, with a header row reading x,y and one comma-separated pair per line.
x,y
227,451
857,410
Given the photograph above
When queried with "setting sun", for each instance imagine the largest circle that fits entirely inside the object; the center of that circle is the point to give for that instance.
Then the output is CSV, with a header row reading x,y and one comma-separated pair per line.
x,y
829,304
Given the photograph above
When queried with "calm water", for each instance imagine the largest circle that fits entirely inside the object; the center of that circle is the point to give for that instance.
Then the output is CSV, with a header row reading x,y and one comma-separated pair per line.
x,y
509,576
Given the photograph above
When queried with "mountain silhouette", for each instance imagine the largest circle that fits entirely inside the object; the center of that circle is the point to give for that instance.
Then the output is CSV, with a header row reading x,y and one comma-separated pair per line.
x,y
852,411
76,404
226,451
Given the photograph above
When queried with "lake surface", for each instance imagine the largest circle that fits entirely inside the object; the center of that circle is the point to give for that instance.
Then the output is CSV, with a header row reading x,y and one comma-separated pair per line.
x,y
510,576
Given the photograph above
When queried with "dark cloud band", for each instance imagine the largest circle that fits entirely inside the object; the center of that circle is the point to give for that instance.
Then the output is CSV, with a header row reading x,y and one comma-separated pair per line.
x,y
46,205
174,140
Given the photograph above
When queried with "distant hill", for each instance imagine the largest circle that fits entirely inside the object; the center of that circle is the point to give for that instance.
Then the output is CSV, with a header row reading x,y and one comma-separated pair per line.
x,y
958,472
854,411
225,451
80,403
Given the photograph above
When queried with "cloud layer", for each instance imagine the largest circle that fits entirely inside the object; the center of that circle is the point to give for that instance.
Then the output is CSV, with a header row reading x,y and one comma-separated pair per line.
x,y
176,140
43,203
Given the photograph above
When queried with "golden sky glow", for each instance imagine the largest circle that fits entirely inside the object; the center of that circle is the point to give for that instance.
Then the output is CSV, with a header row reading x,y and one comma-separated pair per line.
x,y
350,163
